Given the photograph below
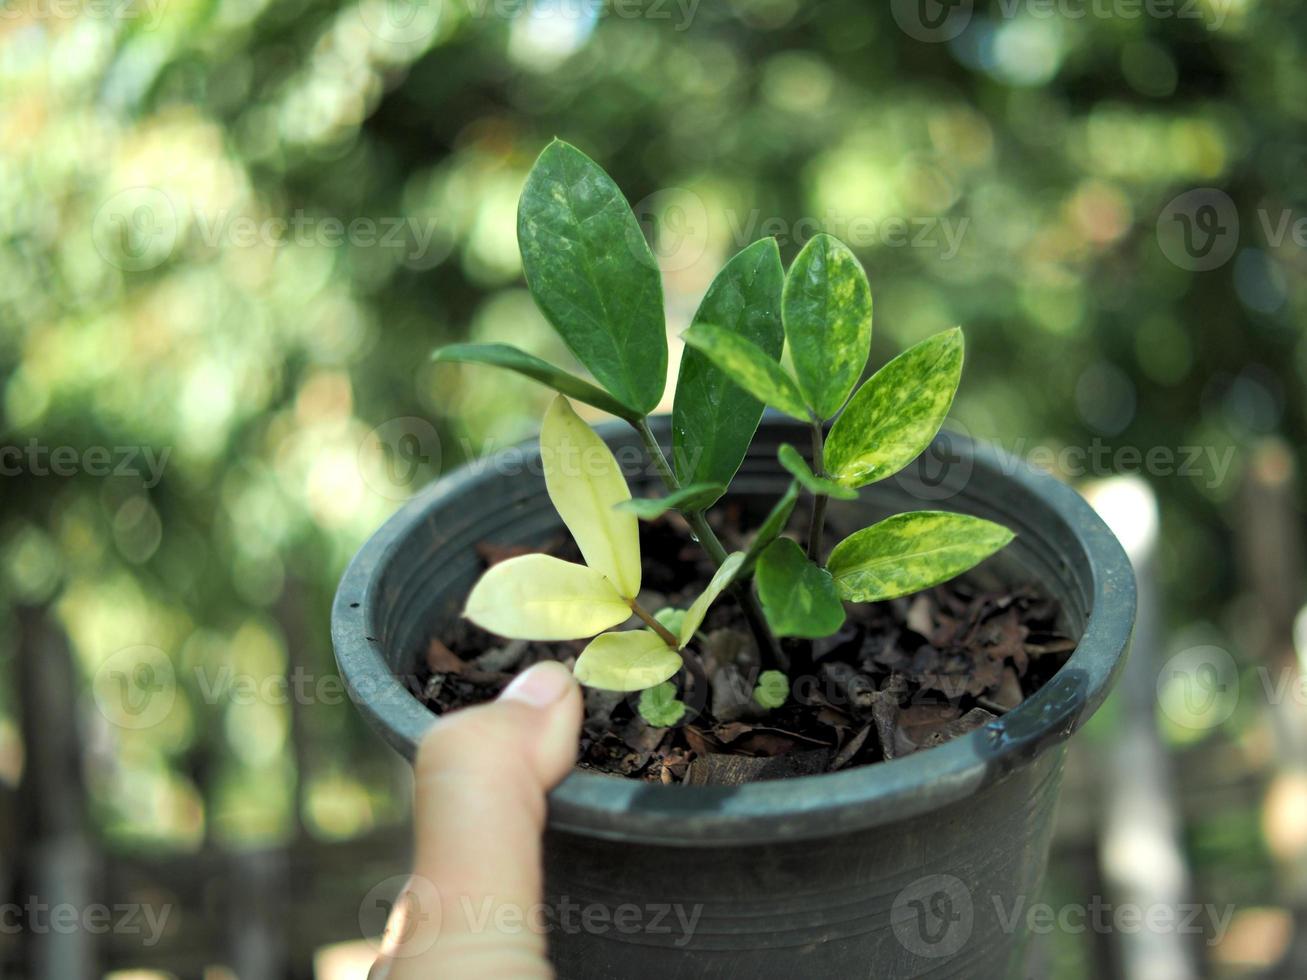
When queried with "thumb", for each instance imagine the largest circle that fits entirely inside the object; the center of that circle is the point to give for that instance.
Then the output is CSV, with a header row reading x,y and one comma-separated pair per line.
x,y
473,902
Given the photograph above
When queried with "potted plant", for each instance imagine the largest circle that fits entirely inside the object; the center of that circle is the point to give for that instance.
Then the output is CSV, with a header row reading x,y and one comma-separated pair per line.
x,y
766,676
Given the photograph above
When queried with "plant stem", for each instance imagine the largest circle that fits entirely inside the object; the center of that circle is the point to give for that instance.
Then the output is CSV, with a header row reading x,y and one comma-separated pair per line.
x,y
769,648
818,500
666,635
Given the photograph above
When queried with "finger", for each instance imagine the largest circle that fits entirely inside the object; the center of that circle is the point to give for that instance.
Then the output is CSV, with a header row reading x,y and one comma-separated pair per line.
x,y
481,779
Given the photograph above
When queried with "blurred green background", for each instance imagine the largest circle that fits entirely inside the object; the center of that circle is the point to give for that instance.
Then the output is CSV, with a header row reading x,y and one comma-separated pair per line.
x,y
232,231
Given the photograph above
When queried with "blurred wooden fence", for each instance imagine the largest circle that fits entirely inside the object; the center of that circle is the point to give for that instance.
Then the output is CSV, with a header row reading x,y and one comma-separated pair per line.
x,y
262,914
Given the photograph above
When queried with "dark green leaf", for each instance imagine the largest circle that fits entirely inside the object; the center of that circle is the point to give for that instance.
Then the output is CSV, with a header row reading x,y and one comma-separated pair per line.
x,y
798,466
659,705
592,274
749,366
714,419
506,356
798,596
827,314
773,525
896,413
772,690
695,497
910,552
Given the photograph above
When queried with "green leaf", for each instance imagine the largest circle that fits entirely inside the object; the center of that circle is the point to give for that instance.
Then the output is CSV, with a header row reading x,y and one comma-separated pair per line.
x,y
539,597
775,523
586,484
748,366
896,413
670,618
798,467
626,661
827,313
910,552
696,497
798,596
507,356
772,690
592,274
699,608
713,418
660,707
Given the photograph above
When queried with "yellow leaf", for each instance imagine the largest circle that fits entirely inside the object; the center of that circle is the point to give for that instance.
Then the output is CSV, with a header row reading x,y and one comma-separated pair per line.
x,y
585,483
628,661
694,615
538,597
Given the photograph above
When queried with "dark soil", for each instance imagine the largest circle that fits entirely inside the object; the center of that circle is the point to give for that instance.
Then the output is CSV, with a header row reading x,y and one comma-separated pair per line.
x,y
899,677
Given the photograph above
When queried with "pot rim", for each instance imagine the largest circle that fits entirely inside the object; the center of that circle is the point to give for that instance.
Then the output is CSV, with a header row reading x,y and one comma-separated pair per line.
x,y
618,808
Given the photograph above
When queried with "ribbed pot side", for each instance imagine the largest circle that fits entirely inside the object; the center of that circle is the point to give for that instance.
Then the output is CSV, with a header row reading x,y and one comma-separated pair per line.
x,y
925,866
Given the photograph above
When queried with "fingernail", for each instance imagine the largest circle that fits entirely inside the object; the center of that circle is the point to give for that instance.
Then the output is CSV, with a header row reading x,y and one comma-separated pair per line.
x,y
540,686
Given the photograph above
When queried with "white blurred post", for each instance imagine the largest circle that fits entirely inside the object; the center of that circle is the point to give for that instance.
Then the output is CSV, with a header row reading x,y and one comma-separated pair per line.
x,y
1140,848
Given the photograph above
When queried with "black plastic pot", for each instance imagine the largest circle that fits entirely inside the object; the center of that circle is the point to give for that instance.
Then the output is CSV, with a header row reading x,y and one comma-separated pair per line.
x,y
923,866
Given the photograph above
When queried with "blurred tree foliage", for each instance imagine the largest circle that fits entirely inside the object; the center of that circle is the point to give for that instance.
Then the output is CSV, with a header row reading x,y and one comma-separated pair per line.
x,y
187,189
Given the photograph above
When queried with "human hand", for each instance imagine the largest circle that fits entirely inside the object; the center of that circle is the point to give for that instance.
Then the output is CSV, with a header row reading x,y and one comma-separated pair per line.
x,y
481,778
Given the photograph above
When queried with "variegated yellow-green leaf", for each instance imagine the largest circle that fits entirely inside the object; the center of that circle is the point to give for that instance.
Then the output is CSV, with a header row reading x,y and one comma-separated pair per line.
x,y
699,608
826,308
539,597
896,413
797,595
627,661
586,485
801,471
749,366
910,552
